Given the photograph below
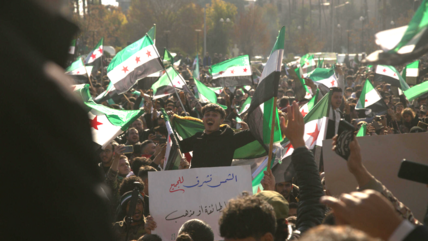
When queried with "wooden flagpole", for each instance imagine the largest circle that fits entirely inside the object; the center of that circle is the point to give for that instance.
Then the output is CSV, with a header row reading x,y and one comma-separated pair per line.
x,y
272,130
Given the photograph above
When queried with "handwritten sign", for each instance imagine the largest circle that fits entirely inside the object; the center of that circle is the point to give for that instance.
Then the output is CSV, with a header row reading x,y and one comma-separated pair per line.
x,y
202,193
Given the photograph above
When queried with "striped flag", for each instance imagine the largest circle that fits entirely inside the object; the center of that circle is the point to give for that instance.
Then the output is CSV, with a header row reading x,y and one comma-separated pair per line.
x,y
72,48
416,91
362,131
326,77
77,71
163,86
390,75
94,58
371,99
307,65
232,72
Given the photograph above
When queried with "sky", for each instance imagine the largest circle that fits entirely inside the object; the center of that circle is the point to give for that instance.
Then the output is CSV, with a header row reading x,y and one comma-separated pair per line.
x,y
109,2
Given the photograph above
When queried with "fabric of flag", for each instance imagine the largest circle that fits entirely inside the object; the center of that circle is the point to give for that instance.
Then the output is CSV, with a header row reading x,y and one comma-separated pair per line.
x,y
245,106
412,69
77,71
107,123
206,95
186,127
326,77
152,33
232,72
163,86
172,152
362,131
72,48
304,109
416,91
168,60
308,94
390,75
217,90
109,95
94,58
403,44
133,63
371,99
307,65
196,70
261,110
82,91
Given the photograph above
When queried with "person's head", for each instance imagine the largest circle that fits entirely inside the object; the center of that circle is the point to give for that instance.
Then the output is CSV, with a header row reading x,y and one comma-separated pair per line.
x,y
399,107
198,230
336,97
184,237
284,188
213,116
292,209
125,201
283,102
348,92
128,184
335,233
106,154
408,115
150,237
132,136
123,165
148,147
143,174
137,163
138,124
248,218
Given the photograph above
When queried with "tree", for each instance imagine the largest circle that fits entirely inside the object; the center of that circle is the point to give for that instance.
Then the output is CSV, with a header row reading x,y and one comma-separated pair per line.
x,y
251,32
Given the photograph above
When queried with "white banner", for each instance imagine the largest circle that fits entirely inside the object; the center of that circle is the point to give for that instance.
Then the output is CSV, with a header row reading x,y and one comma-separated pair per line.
x,y
201,193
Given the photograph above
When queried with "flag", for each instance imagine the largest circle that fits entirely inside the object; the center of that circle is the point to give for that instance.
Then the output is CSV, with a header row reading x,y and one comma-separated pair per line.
x,y
172,152
110,95
404,44
362,131
232,72
107,123
196,70
390,75
320,63
72,48
133,63
416,91
217,90
412,69
308,93
326,77
307,65
168,60
82,91
245,106
177,63
206,95
186,127
163,87
261,110
370,99
152,33
94,58
78,72
304,109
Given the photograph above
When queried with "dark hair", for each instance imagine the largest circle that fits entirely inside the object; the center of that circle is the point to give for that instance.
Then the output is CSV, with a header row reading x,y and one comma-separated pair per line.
x,y
335,233
292,205
128,184
335,89
184,237
214,108
283,102
143,173
198,230
145,162
137,163
129,130
408,111
247,216
145,143
150,237
349,77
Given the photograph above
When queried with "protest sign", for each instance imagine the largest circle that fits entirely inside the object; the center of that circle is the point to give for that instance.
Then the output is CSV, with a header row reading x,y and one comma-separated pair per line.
x,y
382,156
201,193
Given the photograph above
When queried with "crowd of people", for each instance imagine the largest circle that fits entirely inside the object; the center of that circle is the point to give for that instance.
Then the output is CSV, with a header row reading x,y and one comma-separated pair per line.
x,y
60,184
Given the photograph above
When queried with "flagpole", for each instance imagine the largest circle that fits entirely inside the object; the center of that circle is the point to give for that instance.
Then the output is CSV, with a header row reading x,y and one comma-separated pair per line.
x,y
176,93
272,129
84,66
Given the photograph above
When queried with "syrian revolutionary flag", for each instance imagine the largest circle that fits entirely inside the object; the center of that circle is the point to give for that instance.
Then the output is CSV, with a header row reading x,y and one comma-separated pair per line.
x,y
403,44
133,63
307,65
196,70
217,90
304,109
245,106
390,75
172,152
412,70
308,93
261,110
82,91
168,60
326,77
78,72
72,48
416,91
232,72
163,86
110,95
107,123
152,33
94,58
370,99
206,95
362,131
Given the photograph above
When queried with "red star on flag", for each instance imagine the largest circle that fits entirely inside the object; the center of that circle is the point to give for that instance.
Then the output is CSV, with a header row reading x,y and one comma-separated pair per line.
x,y
384,70
101,50
314,134
78,72
93,56
94,123
165,93
221,72
245,69
307,63
232,71
258,189
395,74
148,54
367,100
289,146
125,69
137,59
303,112
332,83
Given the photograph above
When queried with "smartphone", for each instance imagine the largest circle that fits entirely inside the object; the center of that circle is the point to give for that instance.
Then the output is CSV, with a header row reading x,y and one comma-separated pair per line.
x,y
128,149
344,137
413,171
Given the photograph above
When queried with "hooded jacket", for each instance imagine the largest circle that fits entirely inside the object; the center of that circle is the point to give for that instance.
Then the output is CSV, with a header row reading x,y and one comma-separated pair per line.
x,y
215,149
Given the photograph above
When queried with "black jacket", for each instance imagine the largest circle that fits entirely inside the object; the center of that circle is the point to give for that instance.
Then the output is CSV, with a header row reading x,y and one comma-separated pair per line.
x,y
310,211
215,149
419,233
49,173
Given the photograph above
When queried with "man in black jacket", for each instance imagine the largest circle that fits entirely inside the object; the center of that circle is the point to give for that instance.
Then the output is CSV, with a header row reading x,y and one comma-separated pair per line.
x,y
215,146
53,186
